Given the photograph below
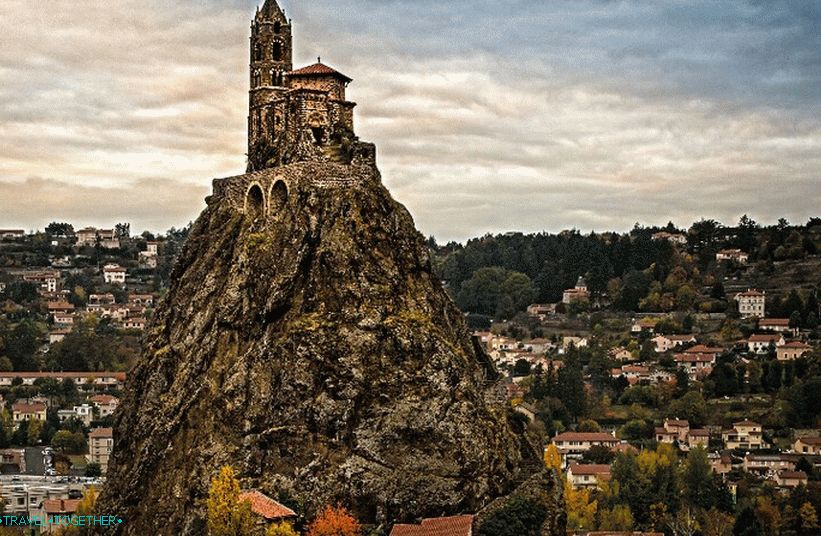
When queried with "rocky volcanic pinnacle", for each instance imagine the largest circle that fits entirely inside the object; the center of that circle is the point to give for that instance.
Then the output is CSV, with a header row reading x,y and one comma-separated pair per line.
x,y
305,342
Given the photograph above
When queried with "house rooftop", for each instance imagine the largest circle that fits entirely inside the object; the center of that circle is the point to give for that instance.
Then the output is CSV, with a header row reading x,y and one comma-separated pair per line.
x,y
445,526
266,507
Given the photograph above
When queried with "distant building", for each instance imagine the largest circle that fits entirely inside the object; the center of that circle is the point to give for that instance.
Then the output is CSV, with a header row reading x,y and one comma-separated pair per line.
x,y
46,280
751,303
760,344
743,435
778,325
106,404
791,479
808,445
90,236
696,365
765,464
443,526
675,238
644,325
620,354
114,274
266,509
673,430
574,444
100,444
792,350
577,294
98,379
735,255
587,475
28,411
12,234
665,343
541,310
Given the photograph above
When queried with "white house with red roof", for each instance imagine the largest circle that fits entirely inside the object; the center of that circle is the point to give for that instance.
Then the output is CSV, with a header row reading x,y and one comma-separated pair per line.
x,y
751,303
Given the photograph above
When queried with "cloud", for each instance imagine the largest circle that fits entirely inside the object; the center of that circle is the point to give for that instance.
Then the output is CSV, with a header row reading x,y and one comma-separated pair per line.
x,y
150,203
489,116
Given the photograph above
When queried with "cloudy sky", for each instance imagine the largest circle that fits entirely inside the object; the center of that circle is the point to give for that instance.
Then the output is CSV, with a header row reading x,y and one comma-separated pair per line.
x,y
489,115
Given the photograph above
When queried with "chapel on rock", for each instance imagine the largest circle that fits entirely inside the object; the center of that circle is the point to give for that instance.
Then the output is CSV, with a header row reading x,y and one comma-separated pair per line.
x,y
294,115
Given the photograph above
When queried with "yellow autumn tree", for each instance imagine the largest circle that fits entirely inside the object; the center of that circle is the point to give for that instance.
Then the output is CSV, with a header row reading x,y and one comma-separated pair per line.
x,y
581,510
281,529
552,458
618,518
227,515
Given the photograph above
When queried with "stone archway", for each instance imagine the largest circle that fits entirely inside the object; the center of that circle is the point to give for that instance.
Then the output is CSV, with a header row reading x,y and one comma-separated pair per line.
x,y
255,201
278,197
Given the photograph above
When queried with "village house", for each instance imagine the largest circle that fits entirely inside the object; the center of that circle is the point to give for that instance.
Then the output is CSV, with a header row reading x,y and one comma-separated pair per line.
x,y
791,479
46,280
57,507
735,255
267,510
148,258
57,335
743,435
114,380
541,310
751,303
764,464
704,349
673,430
696,365
134,323
443,526
106,404
143,300
63,319
589,476
28,411
100,300
620,354
792,350
675,238
574,444
100,443
760,343
778,325
12,234
808,445
576,342
666,343
698,437
538,346
83,413
721,464
114,274
644,325
89,237
577,294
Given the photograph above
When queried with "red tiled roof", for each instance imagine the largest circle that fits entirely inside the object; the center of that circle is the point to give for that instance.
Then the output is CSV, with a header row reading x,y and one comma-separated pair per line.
x,y
101,433
319,69
24,407
700,432
60,506
104,399
584,436
589,469
751,293
695,358
677,422
266,507
774,322
703,349
797,344
746,423
764,338
810,440
793,474
445,526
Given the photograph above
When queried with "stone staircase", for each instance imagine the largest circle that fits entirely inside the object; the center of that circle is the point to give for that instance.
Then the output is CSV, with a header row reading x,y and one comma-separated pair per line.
x,y
334,154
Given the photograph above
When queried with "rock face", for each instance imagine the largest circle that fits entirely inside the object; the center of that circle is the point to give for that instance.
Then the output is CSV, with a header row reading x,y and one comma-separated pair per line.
x,y
305,342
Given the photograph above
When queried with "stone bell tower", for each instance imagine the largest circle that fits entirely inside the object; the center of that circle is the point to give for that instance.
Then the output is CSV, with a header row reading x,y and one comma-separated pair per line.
x,y
271,58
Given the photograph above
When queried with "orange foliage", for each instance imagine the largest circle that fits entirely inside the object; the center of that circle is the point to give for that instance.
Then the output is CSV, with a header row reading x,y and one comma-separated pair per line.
x,y
334,522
